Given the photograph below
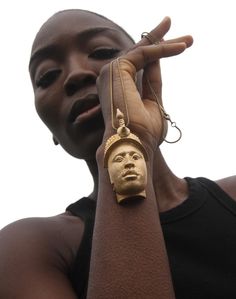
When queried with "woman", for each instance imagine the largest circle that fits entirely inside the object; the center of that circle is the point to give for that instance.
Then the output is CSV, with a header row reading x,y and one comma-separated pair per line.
x,y
78,82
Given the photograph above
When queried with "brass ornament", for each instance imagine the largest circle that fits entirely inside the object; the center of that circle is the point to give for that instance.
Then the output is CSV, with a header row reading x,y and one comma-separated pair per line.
x,y
125,157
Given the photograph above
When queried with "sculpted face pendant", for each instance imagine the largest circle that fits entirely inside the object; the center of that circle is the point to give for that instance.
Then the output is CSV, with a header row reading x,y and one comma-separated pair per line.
x,y
125,157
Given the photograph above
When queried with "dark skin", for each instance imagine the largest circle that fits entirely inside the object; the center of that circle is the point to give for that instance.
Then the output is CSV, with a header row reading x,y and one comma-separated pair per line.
x,y
47,247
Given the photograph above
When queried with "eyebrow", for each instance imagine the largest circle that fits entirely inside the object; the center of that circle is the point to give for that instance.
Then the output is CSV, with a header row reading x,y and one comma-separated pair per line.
x,y
43,52
51,50
124,153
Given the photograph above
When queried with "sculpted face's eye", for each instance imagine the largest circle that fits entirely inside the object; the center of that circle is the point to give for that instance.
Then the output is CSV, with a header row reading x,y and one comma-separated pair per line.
x,y
104,53
47,78
136,157
118,159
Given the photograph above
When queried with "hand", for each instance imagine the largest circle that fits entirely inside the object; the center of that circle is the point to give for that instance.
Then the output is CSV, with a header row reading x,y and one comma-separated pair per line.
x,y
152,82
145,118
152,70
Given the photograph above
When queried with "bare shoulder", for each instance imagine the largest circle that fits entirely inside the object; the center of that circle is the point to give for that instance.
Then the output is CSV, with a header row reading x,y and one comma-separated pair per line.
x,y
36,255
52,240
58,235
228,185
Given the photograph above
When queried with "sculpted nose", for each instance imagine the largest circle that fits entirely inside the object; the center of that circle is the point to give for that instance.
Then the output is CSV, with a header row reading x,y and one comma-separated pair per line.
x,y
78,79
129,163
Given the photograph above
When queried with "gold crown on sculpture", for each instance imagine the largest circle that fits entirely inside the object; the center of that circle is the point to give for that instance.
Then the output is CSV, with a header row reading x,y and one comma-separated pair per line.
x,y
123,135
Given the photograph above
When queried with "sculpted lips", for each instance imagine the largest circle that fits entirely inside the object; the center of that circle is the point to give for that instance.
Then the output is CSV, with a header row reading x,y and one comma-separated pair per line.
x,y
84,109
130,174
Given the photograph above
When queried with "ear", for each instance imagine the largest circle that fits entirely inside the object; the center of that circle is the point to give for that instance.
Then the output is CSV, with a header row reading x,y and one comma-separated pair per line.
x,y
54,140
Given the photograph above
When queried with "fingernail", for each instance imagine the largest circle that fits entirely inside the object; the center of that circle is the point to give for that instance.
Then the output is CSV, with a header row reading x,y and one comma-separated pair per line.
x,y
166,18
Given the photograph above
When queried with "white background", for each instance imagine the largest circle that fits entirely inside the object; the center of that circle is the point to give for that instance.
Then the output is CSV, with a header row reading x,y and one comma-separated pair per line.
x,y
39,179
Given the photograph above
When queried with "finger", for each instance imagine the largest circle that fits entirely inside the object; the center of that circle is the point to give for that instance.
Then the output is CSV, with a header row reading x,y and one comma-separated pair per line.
x,y
142,56
152,82
152,90
187,39
157,33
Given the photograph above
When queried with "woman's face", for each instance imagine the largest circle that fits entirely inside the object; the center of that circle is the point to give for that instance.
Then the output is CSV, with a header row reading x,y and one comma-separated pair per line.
x,y
67,56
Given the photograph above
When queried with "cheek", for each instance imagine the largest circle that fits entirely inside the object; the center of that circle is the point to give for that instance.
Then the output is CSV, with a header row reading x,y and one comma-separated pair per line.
x,y
114,173
48,105
98,65
142,168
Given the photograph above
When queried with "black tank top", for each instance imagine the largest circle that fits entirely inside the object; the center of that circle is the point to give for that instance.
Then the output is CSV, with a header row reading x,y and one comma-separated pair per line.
x,y
200,236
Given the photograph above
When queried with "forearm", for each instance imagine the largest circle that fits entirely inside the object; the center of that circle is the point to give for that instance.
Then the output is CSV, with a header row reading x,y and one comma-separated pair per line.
x,y
128,252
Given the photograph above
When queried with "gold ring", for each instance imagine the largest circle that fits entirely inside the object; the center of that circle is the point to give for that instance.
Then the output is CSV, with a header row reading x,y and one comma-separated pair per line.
x,y
150,38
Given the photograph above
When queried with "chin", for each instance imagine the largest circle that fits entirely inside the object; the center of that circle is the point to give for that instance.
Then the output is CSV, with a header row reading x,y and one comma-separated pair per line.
x,y
131,189
85,150
83,142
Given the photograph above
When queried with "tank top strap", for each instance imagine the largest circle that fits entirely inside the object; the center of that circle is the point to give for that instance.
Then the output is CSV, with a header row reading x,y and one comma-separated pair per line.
x,y
219,194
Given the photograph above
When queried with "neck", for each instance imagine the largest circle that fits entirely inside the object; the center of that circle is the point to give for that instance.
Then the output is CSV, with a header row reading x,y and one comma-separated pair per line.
x,y
169,189
92,165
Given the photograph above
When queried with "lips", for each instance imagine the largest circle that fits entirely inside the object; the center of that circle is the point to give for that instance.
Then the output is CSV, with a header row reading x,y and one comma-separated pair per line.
x,y
84,109
130,174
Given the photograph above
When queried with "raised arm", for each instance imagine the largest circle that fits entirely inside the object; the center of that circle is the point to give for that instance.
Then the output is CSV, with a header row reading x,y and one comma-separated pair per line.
x,y
128,255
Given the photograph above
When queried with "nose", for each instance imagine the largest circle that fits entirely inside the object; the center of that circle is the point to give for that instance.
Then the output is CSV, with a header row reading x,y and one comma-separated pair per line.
x,y
129,163
79,76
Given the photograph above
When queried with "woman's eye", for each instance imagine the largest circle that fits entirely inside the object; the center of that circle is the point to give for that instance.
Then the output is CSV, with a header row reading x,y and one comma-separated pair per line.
x,y
104,53
47,78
